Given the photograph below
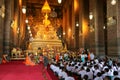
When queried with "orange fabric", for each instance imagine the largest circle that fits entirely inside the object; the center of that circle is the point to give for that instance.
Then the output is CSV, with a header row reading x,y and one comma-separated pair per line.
x,y
28,61
57,57
88,56
4,61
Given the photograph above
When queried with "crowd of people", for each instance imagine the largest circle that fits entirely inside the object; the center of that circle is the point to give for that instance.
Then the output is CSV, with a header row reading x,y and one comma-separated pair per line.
x,y
81,65
85,67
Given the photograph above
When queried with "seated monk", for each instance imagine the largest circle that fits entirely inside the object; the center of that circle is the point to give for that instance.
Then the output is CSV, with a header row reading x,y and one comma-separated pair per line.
x,y
28,60
57,57
4,58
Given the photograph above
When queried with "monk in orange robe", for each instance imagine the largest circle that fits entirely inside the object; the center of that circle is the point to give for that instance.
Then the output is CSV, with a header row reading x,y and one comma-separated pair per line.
x,y
57,57
89,56
4,60
28,60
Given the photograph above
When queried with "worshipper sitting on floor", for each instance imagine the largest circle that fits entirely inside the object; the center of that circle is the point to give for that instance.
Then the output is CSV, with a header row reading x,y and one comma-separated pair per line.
x,y
62,74
95,68
69,77
115,75
85,77
28,60
106,73
5,58
118,68
56,69
98,76
82,72
89,74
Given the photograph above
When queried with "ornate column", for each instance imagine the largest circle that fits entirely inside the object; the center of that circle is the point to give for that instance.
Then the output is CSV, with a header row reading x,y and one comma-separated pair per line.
x,y
85,23
76,23
99,24
1,25
118,26
113,28
7,22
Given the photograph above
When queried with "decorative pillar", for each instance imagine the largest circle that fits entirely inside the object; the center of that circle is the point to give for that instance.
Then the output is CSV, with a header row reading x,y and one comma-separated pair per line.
x,y
85,23
7,23
118,26
14,26
1,26
81,44
99,24
92,26
76,24
113,28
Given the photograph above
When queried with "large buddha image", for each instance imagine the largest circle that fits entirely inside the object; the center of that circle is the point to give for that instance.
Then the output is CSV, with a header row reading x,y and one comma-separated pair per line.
x,y
45,33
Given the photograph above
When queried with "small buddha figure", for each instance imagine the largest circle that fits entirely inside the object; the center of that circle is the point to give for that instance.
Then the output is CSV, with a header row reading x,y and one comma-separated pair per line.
x,y
46,22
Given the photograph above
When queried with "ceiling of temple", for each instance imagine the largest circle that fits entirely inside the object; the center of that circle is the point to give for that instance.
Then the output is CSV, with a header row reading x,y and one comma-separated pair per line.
x,y
39,3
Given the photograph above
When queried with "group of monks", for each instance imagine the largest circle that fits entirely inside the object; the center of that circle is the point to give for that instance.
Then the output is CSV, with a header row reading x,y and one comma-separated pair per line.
x,y
30,61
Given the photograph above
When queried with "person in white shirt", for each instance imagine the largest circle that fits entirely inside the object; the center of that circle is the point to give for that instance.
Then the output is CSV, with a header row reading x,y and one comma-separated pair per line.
x,y
62,75
106,73
118,68
52,66
115,75
85,77
110,71
96,70
61,57
55,69
82,72
61,64
96,61
69,67
92,56
98,76
89,73
76,69
69,77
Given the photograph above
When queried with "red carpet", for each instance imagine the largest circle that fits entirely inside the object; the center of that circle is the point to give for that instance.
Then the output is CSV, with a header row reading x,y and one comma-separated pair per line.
x,y
52,75
16,70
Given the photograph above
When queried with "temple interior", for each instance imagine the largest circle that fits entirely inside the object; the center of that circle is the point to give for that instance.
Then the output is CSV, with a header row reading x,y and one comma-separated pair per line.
x,y
30,25
59,39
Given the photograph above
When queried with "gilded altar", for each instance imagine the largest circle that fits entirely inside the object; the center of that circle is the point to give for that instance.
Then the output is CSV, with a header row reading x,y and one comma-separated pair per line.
x,y
46,37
